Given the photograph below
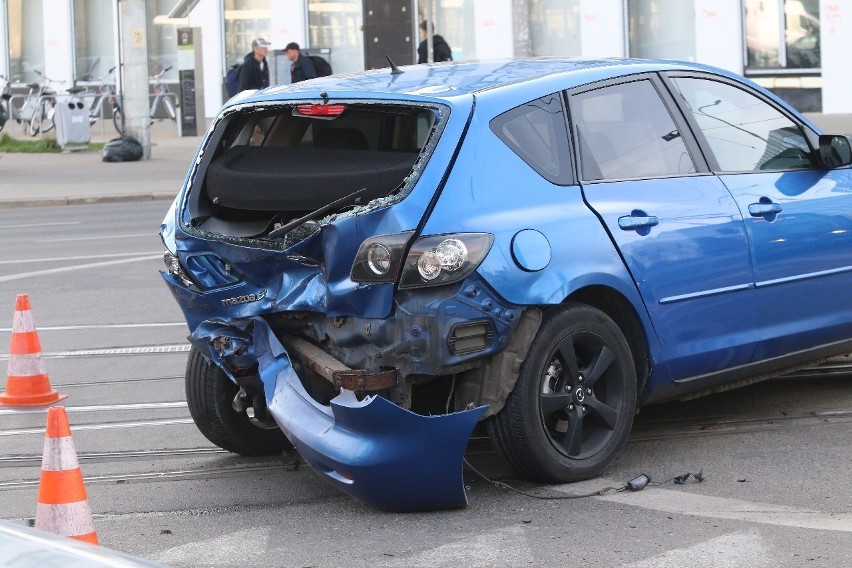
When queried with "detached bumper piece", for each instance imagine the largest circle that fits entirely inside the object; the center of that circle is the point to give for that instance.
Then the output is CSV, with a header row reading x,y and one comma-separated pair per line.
x,y
371,449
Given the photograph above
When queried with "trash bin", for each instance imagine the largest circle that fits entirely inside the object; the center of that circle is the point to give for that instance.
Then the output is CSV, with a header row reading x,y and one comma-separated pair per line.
x,y
71,117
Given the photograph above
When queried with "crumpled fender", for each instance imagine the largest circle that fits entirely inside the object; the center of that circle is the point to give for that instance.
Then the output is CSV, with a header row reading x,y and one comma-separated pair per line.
x,y
371,449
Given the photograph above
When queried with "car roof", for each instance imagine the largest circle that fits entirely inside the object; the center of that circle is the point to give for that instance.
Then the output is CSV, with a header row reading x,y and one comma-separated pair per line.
x,y
464,78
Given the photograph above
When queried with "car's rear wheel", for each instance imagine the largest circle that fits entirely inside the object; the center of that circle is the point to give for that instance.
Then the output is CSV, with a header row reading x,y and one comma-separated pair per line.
x,y
572,407
210,395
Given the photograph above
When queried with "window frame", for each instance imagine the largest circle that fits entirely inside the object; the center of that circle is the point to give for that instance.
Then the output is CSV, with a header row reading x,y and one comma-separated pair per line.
x,y
810,136
675,112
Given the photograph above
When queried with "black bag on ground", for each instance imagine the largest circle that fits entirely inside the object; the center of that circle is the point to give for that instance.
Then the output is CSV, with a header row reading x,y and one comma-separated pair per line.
x,y
322,66
122,149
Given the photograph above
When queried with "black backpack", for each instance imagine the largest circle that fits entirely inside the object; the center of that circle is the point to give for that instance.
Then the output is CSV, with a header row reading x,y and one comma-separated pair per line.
x,y
232,80
321,65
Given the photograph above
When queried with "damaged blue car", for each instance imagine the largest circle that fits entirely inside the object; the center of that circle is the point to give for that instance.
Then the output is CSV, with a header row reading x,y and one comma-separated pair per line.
x,y
372,264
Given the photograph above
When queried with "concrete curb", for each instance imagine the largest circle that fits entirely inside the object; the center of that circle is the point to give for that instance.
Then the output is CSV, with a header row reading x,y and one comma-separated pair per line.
x,y
53,201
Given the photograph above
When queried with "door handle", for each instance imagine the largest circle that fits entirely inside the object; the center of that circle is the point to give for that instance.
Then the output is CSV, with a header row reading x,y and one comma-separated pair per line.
x,y
764,209
638,223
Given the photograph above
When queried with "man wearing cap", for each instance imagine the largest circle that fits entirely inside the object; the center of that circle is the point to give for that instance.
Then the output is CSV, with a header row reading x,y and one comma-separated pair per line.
x,y
254,73
302,67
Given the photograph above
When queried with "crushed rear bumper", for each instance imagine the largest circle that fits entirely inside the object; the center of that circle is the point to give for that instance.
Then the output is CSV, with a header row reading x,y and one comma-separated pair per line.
x,y
371,449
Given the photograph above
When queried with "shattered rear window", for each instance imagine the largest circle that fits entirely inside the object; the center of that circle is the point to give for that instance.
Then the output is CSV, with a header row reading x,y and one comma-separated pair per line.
x,y
272,166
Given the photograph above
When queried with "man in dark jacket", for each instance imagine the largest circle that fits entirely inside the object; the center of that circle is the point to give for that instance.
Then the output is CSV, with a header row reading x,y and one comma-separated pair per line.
x,y
440,48
302,67
254,73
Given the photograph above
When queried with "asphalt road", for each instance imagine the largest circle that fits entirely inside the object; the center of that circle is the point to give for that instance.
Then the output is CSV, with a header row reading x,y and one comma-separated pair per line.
x,y
776,456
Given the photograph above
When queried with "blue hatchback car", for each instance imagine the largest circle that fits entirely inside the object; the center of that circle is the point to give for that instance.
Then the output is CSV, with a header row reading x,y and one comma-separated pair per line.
x,y
371,264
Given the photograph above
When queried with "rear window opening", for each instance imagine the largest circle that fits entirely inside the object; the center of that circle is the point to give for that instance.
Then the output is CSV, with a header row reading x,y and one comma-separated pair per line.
x,y
271,166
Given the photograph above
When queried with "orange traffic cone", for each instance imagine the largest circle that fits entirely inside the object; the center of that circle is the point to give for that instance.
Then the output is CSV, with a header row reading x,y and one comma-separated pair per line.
x,y
27,383
63,507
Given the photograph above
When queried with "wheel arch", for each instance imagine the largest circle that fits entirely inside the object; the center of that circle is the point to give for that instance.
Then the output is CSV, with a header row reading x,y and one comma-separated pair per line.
x,y
623,313
492,382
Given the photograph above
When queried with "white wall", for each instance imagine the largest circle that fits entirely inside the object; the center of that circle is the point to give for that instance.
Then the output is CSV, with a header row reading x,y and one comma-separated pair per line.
x,y
719,35
4,39
602,25
209,17
493,28
58,41
836,44
289,23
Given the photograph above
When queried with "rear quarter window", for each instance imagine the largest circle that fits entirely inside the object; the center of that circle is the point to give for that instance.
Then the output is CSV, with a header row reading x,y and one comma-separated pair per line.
x,y
537,133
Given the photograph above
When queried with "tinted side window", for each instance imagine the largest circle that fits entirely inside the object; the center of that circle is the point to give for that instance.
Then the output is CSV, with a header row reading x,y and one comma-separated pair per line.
x,y
536,132
744,132
625,131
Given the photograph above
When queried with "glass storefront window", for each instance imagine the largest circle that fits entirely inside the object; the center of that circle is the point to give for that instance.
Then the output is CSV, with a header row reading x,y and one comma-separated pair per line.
x,y
244,21
338,25
26,40
554,27
782,34
162,37
454,20
661,29
94,39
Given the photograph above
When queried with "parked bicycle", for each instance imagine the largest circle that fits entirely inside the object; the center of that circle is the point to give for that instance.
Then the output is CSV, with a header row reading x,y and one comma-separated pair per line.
x,y
105,93
36,114
162,97
5,96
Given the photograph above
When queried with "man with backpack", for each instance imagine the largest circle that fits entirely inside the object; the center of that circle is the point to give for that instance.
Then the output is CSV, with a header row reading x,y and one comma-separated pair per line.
x,y
302,67
254,71
440,48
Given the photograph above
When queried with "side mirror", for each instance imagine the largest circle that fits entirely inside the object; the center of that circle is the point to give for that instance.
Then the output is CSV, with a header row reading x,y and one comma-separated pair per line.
x,y
835,151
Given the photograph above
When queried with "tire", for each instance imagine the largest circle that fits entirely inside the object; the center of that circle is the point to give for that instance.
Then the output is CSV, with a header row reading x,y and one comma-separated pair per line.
x,y
35,120
550,432
118,120
49,115
209,394
170,108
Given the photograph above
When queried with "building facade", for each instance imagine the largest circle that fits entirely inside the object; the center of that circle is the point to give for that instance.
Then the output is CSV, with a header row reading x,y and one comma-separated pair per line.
x,y
795,47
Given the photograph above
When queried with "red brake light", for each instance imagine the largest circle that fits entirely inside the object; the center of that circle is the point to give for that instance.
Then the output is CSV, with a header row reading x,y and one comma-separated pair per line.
x,y
320,110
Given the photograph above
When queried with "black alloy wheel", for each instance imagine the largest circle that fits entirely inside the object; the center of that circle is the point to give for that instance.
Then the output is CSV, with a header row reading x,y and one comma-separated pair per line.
x,y
572,407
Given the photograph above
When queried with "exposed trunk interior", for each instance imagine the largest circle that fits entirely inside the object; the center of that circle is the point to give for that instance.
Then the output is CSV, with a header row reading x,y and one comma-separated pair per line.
x,y
272,166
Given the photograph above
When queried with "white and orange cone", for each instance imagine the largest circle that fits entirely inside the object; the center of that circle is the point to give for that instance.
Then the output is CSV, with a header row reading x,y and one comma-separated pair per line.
x,y
27,383
63,506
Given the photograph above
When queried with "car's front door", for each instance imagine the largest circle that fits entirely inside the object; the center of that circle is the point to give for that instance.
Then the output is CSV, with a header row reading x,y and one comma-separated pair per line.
x,y
677,227
797,214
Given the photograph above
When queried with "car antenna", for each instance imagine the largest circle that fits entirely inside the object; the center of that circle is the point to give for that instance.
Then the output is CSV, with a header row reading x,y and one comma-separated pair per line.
x,y
394,69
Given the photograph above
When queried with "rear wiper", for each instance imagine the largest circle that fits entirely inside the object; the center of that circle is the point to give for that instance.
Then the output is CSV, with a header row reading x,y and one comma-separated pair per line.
x,y
284,229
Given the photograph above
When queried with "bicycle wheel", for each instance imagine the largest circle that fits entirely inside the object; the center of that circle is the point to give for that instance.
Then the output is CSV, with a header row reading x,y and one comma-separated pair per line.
x,y
47,122
4,114
35,120
118,120
170,108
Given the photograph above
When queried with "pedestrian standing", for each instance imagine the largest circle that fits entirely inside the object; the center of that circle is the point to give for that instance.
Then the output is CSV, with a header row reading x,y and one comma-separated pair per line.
x,y
440,48
301,68
254,72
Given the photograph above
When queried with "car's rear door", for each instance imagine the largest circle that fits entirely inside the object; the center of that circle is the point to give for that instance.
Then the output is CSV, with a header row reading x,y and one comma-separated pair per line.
x,y
677,227
798,215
